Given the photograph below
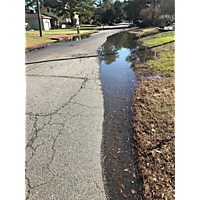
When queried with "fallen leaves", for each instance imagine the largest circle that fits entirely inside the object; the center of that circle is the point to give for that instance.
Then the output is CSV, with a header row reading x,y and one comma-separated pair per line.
x,y
123,186
112,149
124,195
117,138
134,175
126,170
133,191
111,116
115,156
119,126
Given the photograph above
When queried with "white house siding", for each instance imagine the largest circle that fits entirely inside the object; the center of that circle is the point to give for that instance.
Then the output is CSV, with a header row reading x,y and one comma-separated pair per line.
x,y
33,22
46,24
47,11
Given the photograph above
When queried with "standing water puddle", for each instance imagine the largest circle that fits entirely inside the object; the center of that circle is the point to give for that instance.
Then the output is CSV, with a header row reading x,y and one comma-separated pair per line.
x,y
117,56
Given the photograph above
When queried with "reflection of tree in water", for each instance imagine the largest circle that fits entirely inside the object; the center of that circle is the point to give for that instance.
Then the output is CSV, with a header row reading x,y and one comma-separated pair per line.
x,y
109,50
113,45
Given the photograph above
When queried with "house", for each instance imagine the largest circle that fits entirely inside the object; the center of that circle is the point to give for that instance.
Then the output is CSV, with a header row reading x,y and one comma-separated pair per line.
x,y
32,19
61,22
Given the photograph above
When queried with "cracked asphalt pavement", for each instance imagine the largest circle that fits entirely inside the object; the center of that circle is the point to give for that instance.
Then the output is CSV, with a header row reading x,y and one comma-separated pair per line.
x,y
64,118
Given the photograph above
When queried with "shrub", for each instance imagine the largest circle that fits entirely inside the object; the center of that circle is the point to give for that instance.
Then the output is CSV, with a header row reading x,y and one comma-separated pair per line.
x,y
88,22
94,22
98,24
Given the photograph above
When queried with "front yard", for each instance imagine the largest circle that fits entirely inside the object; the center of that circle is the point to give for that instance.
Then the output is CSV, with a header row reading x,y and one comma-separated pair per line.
x,y
34,41
63,31
154,119
31,42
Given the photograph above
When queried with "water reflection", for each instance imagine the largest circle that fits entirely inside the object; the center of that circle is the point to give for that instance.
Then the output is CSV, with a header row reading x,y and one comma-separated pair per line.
x,y
76,38
117,42
118,57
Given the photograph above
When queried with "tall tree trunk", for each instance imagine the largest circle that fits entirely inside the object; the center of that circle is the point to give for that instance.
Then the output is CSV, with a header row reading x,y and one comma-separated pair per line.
x,y
153,13
72,19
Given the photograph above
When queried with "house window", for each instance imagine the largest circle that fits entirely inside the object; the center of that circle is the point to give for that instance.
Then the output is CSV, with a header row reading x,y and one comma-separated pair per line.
x,y
47,9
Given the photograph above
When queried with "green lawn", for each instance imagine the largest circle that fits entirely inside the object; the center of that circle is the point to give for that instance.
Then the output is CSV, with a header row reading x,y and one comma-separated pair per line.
x,y
37,39
165,52
62,31
160,38
32,42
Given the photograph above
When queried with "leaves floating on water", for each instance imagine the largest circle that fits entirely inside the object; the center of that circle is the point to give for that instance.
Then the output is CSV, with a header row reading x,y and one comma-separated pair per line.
x,y
124,195
133,191
115,156
123,186
119,126
111,116
112,149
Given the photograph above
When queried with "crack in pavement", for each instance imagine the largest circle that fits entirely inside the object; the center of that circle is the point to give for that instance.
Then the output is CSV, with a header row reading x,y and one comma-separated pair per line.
x,y
36,130
54,134
54,76
62,106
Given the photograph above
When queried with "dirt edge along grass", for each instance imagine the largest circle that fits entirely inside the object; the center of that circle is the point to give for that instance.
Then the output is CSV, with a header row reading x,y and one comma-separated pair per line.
x,y
164,44
154,121
35,41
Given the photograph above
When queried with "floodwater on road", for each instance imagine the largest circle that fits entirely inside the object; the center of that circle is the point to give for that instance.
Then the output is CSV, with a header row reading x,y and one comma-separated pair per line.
x,y
117,57
76,38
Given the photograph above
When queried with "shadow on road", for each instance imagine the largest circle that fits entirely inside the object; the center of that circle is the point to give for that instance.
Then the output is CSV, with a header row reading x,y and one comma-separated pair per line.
x,y
44,61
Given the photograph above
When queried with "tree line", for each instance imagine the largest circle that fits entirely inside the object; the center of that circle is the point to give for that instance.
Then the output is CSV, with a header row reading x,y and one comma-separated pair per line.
x,y
140,12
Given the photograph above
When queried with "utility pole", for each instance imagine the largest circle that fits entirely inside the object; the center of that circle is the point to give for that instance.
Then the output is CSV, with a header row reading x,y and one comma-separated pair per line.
x,y
100,12
153,11
39,18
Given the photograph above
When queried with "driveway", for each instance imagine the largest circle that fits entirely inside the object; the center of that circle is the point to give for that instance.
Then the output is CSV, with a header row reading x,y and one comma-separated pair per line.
x,y
64,116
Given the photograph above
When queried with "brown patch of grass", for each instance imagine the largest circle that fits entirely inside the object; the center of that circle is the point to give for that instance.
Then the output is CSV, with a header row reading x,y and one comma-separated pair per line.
x,y
33,42
155,137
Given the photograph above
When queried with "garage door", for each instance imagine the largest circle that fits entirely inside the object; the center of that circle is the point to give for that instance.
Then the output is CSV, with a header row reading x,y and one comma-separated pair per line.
x,y
46,25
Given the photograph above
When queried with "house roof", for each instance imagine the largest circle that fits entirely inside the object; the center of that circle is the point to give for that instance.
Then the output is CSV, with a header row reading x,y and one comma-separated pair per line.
x,y
35,15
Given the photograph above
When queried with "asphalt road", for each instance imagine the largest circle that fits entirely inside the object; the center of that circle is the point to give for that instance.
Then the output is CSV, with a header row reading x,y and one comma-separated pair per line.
x,y
64,117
